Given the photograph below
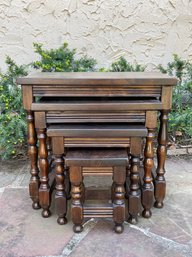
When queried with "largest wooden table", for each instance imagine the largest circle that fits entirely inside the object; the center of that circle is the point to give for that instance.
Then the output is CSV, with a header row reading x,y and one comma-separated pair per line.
x,y
128,85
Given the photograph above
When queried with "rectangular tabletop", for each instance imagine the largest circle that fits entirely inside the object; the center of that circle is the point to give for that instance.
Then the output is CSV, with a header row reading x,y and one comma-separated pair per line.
x,y
97,78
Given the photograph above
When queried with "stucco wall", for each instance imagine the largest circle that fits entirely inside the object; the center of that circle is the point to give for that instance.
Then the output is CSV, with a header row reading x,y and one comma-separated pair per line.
x,y
148,31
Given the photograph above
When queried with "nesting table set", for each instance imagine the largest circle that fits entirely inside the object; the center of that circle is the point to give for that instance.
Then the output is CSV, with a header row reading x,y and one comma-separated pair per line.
x,y
97,124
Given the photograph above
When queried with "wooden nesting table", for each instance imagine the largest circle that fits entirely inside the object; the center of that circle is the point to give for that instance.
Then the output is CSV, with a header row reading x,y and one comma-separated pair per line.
x,y
99,98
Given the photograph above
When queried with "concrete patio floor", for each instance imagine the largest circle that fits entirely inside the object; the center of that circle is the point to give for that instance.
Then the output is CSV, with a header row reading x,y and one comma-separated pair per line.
x,y
24,233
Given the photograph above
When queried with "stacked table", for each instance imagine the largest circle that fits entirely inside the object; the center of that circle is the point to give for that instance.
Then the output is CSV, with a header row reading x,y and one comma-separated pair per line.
x,y
80,101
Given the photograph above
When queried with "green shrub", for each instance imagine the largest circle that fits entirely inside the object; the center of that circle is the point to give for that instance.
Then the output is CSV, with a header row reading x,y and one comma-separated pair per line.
x,y
12,115
180,118
13,127
122,65
62,59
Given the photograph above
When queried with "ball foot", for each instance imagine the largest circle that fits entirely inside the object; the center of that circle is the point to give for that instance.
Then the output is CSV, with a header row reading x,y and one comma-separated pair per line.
x,y
132,220
62,220
158,205
46,213
36,206
77,228
146,214
119,228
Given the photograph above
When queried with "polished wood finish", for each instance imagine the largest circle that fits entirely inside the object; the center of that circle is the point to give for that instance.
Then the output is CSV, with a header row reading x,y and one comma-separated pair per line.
x,y
95,211
32,147
147,189
96,110
96,130
98,90
160,183
76,193
133,84
151,119
97,157
40,120
95,117
97,142
97,171
60,177
28,97
134,193
60,194
119,173
166,97
97,78
92,193
113,99
44,190
101,158
90,105
57,144
33,152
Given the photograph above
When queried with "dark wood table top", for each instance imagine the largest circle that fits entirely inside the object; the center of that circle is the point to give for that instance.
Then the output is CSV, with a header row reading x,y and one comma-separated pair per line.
x,y
95,78
100,157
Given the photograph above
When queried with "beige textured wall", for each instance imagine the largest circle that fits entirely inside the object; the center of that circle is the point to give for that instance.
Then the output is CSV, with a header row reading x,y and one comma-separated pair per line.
x,y
148,31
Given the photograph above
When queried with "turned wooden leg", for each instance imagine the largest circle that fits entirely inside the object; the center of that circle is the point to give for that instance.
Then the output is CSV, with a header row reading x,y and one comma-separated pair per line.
x,y
128,168
147,189
76,207
119,174
134,192
60,194
33,156
67,183
160,183
44,190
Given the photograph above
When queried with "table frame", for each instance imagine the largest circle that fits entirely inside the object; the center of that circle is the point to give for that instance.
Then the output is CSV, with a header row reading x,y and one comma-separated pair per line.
x,y
148,82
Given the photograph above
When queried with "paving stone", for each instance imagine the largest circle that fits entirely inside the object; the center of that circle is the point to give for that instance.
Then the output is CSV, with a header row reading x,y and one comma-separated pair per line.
x,y
134,242
10,170
24,233
167,233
